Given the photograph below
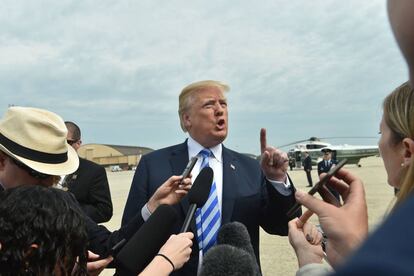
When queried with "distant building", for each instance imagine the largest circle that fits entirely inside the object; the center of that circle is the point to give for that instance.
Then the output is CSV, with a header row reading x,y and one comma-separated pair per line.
x,y
125,157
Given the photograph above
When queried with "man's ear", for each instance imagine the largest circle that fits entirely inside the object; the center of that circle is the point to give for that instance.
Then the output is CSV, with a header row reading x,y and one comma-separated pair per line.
x,y
408,151
187,121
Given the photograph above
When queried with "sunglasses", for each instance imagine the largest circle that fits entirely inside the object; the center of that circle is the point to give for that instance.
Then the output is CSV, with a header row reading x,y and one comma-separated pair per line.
x,y
30,171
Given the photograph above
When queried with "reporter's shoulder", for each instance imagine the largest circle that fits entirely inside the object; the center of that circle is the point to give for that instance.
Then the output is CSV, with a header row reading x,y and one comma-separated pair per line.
x,y
89,163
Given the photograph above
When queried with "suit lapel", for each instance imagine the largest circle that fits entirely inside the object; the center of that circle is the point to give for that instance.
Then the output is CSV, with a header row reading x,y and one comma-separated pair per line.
x,y
229,188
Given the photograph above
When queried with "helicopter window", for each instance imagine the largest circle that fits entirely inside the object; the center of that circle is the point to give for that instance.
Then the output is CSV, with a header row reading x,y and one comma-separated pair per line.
x,y
314,146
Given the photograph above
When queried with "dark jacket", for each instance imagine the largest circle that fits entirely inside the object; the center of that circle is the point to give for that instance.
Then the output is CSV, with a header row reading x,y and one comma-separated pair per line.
x,y
323,168
389,250
247,196
307,163
90,186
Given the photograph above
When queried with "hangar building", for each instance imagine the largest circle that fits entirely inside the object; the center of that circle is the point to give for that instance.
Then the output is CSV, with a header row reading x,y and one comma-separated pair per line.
x,y
126,157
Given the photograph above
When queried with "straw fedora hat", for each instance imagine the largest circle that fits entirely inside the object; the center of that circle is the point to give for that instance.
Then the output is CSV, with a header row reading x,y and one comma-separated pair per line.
x,y
37,138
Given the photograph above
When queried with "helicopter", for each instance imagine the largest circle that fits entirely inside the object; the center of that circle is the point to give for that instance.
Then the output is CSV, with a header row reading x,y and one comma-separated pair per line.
x,y
315,147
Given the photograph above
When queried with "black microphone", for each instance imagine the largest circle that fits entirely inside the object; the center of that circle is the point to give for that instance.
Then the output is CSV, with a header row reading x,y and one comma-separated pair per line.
x,y
147,241
236,234
225,259
198,194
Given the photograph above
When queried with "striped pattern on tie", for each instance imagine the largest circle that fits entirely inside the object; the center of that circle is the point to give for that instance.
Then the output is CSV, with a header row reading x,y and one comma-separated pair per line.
x,y
208,217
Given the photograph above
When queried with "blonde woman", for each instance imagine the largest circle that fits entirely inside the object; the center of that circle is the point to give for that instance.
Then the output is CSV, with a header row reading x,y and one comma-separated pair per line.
x,y
390,250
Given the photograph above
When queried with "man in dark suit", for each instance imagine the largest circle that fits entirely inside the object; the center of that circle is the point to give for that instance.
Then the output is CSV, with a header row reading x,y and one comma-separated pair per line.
x,y
307,166
327,162
325,165
89,183
246,192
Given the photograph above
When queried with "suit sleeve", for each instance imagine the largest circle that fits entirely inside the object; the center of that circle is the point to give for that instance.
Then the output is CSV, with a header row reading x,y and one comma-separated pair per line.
x,y
99,205
274,219
138,194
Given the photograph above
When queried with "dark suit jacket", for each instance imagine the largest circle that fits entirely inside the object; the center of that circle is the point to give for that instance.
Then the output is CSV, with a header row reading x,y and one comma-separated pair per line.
x,y
307,163
247,196
90,186
322,168
389,250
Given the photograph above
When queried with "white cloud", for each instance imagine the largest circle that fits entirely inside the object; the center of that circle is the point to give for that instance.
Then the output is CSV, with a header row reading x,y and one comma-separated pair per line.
x,y
124,62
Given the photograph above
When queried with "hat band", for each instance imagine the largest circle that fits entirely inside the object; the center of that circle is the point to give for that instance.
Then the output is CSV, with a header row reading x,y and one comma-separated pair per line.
x,y
34,155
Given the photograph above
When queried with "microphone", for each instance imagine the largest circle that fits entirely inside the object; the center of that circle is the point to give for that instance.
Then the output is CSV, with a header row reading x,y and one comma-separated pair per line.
x,y
198,194
236,234
226,259
147,241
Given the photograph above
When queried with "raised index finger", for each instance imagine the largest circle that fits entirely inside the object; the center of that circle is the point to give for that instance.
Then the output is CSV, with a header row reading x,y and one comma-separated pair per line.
x,y
263,142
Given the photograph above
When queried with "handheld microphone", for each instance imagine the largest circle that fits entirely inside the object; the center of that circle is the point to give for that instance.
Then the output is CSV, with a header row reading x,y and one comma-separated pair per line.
x,y
225,259
236,234
147,241
198,194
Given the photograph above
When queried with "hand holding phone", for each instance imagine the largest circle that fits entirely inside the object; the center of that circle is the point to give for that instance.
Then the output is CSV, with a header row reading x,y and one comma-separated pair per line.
x,y
189,167
321,188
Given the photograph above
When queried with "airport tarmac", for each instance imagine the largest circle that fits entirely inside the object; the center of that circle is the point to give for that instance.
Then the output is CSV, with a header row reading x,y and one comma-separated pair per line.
x,y
276,254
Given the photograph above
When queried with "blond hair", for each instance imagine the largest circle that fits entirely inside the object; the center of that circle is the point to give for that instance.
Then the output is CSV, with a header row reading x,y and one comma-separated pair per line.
x,y
186,96
398,115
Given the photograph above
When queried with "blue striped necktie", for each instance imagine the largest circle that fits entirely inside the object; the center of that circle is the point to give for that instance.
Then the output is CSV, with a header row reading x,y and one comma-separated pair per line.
x,y
208,217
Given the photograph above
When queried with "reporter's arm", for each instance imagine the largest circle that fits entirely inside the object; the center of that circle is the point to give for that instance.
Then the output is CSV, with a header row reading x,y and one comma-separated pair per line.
x,y
345,226
307,247
172,255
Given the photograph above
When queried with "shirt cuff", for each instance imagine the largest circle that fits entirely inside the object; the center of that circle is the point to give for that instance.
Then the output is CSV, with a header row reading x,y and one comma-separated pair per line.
x,y
315,270
145,212
282,187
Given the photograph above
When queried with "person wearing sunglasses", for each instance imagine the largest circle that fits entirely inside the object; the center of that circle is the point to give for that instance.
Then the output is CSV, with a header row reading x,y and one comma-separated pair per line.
x,y
89,183
34,151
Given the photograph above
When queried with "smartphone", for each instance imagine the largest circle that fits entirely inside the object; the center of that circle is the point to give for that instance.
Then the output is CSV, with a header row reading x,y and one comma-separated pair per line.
x,y
189,167
318,186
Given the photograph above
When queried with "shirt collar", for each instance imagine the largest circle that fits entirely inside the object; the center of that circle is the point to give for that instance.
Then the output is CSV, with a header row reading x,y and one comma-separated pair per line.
x,y
194,149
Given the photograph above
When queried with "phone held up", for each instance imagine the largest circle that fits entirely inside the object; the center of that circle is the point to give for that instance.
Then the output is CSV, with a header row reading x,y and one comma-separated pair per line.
x,y
321,188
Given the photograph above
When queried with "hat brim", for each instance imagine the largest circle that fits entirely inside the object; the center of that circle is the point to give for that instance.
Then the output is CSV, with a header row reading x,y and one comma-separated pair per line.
x,y
67,167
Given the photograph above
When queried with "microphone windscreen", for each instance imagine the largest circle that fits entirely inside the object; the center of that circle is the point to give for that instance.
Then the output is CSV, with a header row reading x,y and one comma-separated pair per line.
x,y
200,190
235,234
228,260
147,241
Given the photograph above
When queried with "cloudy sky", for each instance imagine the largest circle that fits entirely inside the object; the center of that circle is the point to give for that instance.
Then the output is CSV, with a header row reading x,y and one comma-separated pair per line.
x,y
299,68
